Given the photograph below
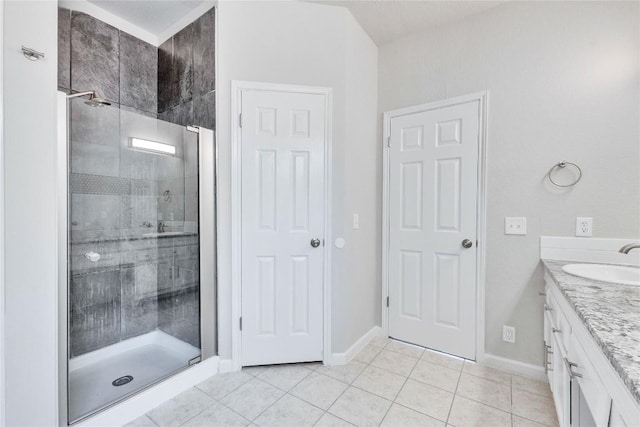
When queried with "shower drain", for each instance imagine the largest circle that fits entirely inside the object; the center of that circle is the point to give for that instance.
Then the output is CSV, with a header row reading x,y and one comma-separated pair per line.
x,y
122,380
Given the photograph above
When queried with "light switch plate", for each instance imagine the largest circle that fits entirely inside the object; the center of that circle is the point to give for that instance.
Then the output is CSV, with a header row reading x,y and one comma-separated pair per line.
x,y
515,225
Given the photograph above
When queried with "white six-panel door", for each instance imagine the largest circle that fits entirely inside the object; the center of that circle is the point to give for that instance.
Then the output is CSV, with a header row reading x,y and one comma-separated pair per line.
x,y
282,154
433,175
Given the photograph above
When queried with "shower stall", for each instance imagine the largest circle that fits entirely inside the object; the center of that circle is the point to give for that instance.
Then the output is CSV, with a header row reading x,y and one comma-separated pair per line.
x,y
138,252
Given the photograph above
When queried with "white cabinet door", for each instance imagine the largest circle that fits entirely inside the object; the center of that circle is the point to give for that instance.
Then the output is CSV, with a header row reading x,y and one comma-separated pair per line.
x,y
433,209
282,138
561,384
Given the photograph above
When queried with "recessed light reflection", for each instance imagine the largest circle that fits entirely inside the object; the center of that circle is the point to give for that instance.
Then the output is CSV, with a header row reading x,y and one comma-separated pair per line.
x,y
153,146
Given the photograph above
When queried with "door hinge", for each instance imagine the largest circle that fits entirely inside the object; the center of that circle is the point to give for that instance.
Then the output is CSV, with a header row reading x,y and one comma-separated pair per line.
x,y
240,323
240,119
387,302
389,141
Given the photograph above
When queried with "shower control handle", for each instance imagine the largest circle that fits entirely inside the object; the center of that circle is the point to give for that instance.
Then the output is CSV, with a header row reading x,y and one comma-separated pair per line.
x,y
466,243
315,243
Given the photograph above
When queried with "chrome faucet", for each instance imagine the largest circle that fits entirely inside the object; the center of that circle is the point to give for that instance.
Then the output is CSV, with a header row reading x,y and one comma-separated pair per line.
x,y
627,248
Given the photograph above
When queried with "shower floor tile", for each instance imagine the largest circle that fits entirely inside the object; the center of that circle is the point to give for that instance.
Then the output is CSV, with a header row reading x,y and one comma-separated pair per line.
x,y
147,359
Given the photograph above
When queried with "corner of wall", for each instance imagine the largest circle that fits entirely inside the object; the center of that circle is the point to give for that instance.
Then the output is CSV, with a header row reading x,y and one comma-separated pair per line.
x,y
2,356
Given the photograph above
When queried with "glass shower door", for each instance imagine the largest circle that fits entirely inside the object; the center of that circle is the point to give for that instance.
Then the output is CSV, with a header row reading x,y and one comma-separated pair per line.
x,y
133,254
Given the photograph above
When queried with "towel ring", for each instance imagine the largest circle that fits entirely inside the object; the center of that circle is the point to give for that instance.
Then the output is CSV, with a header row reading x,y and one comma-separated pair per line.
x,y
561,165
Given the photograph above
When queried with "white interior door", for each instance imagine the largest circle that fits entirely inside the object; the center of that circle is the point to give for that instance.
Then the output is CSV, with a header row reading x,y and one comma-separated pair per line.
x,y
282,140
433,184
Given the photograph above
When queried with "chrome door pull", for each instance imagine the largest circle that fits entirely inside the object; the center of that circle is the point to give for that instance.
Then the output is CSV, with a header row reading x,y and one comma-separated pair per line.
x,y
466,243
315,243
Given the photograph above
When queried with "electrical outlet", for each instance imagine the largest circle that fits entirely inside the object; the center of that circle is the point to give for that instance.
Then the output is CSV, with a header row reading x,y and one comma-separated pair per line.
x,y
515,225
584,227
509,334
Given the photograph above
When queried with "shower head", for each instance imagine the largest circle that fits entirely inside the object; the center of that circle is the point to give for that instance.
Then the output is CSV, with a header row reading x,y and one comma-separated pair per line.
x,y
94,100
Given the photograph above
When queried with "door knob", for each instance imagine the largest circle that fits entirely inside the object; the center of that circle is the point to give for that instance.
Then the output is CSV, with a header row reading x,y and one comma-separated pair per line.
x,y
466,243
315,243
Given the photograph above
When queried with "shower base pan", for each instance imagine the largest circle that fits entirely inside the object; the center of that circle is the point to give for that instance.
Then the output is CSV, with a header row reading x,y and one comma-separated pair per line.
x,y
104,377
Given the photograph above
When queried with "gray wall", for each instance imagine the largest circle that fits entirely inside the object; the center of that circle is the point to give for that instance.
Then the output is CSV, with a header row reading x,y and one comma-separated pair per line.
x,y
186,75
176,81
116,197
563,80
118,194
93,55
316,45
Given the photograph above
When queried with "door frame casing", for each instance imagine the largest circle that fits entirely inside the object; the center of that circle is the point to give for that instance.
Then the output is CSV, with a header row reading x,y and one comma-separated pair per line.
x,y
237,87
481,209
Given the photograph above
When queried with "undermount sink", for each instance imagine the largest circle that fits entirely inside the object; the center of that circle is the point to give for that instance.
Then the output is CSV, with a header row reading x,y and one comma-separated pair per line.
x,y
606,273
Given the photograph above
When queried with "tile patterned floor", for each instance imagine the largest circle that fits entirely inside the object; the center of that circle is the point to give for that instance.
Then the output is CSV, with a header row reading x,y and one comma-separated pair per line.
x,y
389,383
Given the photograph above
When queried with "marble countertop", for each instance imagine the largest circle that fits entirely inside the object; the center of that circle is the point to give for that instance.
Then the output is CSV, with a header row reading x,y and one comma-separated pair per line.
x,y
611,314
144,236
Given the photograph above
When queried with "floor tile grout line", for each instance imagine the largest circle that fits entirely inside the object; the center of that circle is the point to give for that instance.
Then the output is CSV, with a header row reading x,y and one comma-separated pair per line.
x,y
201,411
348,385
482,403
511,398
351,384
419,412
155,423
455,393
370,365
534,421
234,389
268,407
292,387
231,409
251,420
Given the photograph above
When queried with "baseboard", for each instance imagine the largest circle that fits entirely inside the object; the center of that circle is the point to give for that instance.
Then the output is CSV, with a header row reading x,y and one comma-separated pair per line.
x,y
143,402
347,356
514,366
226,365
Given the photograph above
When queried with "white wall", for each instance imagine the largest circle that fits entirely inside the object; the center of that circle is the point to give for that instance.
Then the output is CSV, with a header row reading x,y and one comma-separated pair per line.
x,y
2,386
29,138
307,44
563,81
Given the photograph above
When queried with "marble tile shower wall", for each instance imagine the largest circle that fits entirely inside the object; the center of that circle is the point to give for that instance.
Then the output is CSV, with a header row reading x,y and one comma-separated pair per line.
x,y
139,284
93,55
142,281
175,82
186,74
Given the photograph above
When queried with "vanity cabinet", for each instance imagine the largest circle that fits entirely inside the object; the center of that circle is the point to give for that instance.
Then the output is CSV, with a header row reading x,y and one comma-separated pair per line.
x,y
587,391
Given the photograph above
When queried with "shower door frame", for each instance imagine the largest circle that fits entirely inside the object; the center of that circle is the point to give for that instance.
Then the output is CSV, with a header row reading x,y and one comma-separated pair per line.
x,y
207,204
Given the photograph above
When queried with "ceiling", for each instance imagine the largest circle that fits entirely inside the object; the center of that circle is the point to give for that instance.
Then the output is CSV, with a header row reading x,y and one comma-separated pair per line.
x,y
383,20
388,20
154,16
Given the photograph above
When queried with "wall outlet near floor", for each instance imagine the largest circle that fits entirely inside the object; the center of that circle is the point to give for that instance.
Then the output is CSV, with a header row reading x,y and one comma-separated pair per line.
x,y
515,225
509,334
584,227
